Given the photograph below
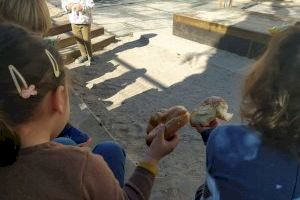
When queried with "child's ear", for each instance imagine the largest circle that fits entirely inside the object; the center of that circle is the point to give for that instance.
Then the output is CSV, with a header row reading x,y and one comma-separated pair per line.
x,y
59,99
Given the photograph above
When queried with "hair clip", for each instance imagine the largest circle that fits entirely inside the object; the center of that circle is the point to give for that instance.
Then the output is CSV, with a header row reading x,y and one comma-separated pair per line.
x,y
54,63
26,91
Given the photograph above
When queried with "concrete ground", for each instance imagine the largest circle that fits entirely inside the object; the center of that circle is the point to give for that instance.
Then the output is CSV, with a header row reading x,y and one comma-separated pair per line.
x,y
143,73
149,68
124,17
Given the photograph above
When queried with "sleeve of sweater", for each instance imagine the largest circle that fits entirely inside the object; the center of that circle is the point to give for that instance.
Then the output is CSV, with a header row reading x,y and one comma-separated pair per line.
x,y
98,182
209,141
64,4
88,5
205,135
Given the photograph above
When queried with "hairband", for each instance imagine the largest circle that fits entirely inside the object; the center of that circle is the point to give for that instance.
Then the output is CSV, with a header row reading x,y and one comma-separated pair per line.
x,y
27,91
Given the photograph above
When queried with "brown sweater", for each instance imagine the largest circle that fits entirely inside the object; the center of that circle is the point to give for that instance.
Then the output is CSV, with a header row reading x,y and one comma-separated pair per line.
x,y
56,172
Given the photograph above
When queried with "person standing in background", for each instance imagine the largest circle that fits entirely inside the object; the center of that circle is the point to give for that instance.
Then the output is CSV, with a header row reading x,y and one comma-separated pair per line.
x,y
80,16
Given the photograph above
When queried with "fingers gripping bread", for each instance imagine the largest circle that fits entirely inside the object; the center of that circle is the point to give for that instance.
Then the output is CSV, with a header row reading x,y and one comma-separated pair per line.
x,y
210,109
174,118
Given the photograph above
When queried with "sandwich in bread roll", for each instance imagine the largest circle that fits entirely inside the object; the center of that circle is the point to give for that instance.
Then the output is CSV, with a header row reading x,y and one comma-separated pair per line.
x,y
174,118
209,110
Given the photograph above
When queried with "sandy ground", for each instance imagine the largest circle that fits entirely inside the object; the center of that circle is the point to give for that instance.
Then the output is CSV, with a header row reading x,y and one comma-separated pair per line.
x,y
151,69
141,74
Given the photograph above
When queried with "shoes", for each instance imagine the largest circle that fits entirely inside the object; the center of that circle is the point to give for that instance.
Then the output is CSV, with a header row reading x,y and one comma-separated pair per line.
x,y
81,59
91,61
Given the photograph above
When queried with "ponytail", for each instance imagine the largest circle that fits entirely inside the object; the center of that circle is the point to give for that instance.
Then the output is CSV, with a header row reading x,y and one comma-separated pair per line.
x,y
9,146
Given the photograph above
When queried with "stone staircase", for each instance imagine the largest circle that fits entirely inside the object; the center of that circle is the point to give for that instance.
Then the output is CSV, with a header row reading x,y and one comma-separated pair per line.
x,y
67,45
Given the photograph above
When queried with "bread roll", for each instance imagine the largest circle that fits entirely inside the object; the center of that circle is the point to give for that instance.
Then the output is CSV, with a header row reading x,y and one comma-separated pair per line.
x,y
209,110
173,125
174,118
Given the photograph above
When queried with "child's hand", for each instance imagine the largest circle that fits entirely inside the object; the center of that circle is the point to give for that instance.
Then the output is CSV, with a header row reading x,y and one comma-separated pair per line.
x,y
159,146
70,6
88,143
212,125
78,7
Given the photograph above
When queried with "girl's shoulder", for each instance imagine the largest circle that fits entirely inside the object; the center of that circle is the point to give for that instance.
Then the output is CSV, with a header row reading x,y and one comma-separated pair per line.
x,y
234,139
70,151
55,151
234,131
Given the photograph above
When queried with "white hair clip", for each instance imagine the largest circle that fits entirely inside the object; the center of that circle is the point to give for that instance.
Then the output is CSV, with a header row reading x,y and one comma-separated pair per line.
x,y
54,63
26,91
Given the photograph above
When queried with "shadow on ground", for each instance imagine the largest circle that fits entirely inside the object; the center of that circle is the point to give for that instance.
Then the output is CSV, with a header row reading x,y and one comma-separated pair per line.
x,y
180,174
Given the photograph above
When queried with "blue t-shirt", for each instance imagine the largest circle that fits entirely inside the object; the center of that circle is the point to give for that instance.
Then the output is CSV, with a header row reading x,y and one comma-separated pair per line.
x,y
241,167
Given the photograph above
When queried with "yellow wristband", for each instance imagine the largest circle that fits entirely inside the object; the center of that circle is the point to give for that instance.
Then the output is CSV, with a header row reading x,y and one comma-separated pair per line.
x,y
148,166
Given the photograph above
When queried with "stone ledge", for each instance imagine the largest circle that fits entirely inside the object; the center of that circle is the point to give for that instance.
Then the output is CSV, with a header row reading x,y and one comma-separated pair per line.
x,y
240,32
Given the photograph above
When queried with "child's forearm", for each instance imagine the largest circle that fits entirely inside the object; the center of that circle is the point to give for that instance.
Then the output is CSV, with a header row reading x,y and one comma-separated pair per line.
x,y
205,135
89,4
65,5
78,7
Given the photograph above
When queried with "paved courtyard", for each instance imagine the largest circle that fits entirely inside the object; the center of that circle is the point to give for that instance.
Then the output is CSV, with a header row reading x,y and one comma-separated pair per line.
x,y
124,17
149,68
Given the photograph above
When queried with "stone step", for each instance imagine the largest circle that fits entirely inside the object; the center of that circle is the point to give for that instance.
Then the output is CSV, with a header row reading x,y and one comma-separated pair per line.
x,y
68,39
59,27
70,53
241,32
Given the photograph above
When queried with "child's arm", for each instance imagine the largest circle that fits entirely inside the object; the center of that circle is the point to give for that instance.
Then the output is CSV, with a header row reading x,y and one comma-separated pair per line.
x,y
84,7
66,5
205,131
88,5
98,181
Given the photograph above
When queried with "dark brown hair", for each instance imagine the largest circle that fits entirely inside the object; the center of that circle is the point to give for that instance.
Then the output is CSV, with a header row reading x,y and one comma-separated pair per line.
x,y
27,54
271,93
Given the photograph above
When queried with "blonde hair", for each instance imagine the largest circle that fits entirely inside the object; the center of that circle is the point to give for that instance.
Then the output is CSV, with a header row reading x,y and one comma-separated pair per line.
x,y
271,94
31,14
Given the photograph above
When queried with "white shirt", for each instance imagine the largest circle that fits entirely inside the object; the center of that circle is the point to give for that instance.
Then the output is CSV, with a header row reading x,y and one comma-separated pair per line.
x,y
82,17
